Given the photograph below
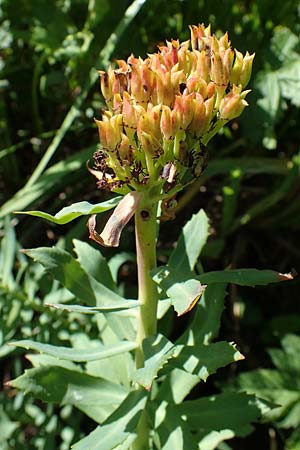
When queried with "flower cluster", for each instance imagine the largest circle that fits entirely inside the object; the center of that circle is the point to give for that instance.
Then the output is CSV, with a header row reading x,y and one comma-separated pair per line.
x,y
164,109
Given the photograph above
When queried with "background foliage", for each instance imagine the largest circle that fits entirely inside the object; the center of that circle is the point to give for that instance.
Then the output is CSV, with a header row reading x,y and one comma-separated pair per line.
x,y
49,95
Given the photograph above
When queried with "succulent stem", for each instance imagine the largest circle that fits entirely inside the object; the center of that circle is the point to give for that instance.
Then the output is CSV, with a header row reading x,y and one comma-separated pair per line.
x,y
145,233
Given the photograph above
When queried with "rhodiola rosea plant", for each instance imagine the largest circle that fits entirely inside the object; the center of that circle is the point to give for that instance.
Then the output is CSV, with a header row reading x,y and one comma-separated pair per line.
x,y
132,380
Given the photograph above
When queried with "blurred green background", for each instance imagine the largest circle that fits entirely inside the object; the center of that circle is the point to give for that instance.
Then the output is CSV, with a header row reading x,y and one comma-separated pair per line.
x,y
50,51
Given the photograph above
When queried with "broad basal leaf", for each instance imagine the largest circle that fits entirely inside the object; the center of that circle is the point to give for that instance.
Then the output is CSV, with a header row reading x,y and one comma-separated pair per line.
x,y
77,354
157,351
119,427
71,212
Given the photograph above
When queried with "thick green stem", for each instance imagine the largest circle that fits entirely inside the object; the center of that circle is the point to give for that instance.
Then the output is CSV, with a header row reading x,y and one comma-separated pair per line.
x,y
145,234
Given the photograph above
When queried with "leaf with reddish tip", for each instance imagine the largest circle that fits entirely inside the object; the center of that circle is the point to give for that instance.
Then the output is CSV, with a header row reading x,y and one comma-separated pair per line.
x,y
184,296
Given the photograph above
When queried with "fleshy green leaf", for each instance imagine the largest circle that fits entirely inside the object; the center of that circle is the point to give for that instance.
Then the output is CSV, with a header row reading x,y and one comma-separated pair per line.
x,y
94,264
66,270
127,304
204,360
280,388
244,277
171,431
177,385
119,427
280,385
190,243
211,440
228,411
77,354
94,396
7,427
184,296
166,277
157,350
206,321
71,212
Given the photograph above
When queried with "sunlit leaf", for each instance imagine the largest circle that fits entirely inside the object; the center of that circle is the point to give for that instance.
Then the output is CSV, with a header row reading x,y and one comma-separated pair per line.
x,y
65,269
184,296
127,304
204,360
166,277
96,397
157,351
190,243
77,354
119,427
75,210
92,261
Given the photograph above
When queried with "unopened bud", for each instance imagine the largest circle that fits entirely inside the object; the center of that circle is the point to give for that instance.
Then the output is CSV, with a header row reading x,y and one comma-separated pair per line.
x,y
233,104
246,69
236,68
169,123
124,150
184,105
199,121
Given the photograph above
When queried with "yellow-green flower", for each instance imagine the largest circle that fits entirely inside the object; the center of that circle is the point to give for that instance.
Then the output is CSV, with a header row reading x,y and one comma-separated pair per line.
x,y
165,108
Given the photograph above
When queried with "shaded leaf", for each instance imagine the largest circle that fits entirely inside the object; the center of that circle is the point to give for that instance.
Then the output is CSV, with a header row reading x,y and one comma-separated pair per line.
x,y
228,411
171,431
245,277
280,386
293,441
